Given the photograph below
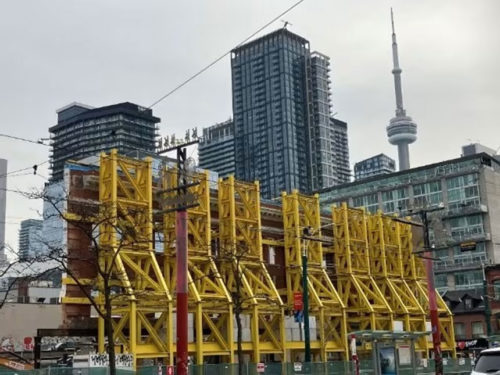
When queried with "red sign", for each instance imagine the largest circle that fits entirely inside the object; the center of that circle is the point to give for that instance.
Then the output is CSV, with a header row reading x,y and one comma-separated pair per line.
x,y
261,367
170,370
297,301
28,343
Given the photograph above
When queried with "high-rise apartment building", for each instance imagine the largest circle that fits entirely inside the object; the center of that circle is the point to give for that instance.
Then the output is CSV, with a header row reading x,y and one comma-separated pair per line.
x,y
30,239
3,205
341,147
216,148
83,131
465,234
284,136
378,164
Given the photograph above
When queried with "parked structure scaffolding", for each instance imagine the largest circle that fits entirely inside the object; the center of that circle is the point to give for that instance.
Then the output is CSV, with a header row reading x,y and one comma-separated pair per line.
x,y
414,274
325,304
243,269
367,307
378,276
209,302
142,310
387,269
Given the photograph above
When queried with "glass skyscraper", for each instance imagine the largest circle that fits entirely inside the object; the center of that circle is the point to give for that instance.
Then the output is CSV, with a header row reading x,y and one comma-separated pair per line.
x,y
281,105
82,131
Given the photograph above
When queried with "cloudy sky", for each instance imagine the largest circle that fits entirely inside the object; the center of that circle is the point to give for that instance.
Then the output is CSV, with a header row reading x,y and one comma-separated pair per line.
x,y
101,52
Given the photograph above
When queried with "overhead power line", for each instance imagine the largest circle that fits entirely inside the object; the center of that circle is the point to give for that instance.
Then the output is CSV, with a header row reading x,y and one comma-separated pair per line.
x,y
224,55
39,142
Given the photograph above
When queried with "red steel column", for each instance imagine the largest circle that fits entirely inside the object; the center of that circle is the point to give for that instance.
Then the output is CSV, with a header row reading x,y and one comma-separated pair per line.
x,y
182,293
436,333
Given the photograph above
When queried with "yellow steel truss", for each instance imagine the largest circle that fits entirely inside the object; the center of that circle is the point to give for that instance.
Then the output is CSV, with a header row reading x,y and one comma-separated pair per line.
x,y
367,307
387,269
143,302
209,301
325,304
378,277
415,275
241,263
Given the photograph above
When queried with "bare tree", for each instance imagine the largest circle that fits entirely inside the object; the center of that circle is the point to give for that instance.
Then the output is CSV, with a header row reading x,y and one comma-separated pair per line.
x,y
86,222
14,272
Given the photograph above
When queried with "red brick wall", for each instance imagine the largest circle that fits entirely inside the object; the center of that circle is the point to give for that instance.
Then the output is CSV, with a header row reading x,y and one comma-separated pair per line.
x,y
467,320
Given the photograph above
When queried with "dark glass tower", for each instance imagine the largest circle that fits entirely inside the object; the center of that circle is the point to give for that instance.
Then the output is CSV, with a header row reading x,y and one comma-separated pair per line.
x,y
270,112
283,133
83,131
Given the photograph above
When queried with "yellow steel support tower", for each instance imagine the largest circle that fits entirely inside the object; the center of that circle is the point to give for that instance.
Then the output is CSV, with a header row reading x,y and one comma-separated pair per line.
x,y
387,269
209,303
142,303
415,275
325,304
242,267
367,308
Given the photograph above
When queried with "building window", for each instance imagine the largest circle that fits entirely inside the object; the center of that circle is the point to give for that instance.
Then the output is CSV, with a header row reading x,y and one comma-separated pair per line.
x,y
272,255
463,191
477,329
395,200
468,304
465,227
469,279
441,280
496,289
459,330
428,194
369,202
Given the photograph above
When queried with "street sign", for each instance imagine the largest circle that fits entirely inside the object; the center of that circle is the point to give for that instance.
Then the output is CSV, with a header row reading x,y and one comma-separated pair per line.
x,y
468,246
261,367
298,304
297,366
180,200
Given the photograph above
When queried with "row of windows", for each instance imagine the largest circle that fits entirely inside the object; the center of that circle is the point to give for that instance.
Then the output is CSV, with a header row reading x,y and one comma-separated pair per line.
x,y
462,190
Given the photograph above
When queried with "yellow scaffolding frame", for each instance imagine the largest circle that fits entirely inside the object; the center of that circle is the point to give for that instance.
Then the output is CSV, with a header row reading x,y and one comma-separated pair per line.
x,y
415,275
241,263
356,262
387,269
378,276
325,304
126,252
209,300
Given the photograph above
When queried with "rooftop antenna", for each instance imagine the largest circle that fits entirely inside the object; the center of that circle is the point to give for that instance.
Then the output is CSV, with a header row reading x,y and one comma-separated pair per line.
x,y
286,23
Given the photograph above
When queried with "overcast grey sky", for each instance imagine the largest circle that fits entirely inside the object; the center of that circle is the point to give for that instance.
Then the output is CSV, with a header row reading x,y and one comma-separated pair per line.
x,y
101,52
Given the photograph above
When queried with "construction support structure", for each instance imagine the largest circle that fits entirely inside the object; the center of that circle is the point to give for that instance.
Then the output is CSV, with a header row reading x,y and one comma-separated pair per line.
x,y
377,279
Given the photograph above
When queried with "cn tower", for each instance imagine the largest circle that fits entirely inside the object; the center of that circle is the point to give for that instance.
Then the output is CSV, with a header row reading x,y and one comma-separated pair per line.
x,y
401,130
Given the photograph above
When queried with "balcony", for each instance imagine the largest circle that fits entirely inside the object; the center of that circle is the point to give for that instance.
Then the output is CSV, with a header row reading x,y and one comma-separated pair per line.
x,y
458,239
466,209
460,263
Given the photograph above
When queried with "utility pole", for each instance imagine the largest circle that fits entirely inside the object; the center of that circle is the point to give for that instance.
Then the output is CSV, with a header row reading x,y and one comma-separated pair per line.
x,y
487,310
305,300
182,202
436,333
307,234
